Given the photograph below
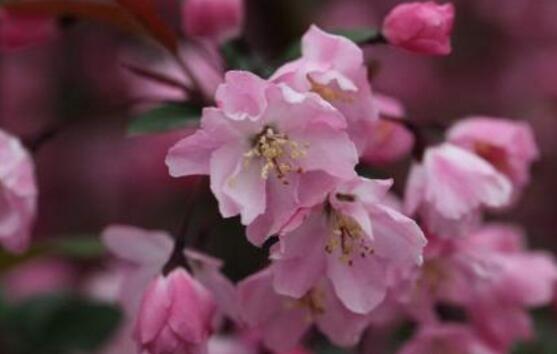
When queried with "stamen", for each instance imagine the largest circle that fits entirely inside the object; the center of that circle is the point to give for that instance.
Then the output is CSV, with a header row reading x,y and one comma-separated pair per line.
x,y
347,236
328,93
276,150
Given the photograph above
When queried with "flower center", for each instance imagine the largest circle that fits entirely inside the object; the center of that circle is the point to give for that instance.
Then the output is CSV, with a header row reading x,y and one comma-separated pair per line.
x,y
347,236
494,154
314,302
277,152
328,93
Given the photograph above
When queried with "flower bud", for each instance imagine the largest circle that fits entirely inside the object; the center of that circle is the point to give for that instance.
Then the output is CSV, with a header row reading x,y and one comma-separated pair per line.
x,y
17,31
217,20
175,315
420,27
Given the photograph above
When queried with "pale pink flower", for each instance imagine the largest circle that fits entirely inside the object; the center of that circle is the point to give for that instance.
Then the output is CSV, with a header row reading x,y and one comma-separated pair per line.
x,y
17,31
354,240
509,146
18,194
449,188
446,339
218,20
175,316
422,27
389,141
283,320
268,150
333,67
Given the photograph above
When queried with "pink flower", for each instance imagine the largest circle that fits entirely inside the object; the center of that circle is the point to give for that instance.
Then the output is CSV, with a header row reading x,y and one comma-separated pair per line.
x,y
354,240
283,320
446,339
268,149
509,146
18,194
421,27
175,315
17,31
388,141
333,67
218,20
449,188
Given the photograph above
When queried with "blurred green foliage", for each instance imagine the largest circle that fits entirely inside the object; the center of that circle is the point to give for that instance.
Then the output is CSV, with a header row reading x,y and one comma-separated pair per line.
x,y
164,118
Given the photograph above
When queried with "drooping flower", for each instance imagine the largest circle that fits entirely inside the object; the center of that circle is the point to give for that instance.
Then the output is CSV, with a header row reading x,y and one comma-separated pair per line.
x,y
422,27
18,31
175,316
18,194
283,320
449,188
333,67
218,20
354,240
509,146
446,339
268,149
389,140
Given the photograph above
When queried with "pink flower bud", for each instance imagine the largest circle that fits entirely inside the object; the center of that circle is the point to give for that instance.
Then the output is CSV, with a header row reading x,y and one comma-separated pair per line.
x,y
421,27
217,20
175,316
18,194
19,31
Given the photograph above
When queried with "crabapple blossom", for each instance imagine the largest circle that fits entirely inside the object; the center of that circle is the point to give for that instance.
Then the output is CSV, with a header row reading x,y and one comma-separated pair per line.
x,y
333,67
388,141
218,20
175,315
18,31
449,188
268,149
284,320
509,146
355,241
422,27
18,194
446,339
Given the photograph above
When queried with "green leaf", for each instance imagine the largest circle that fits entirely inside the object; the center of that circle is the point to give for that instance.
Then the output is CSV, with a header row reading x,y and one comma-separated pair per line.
x,y
78,247
164,118
360,35
58,324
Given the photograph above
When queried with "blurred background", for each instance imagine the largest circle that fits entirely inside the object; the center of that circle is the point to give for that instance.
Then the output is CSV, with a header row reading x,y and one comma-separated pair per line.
x,y
92,173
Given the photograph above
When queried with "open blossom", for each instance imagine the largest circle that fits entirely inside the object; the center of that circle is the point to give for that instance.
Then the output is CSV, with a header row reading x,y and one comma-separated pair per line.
x,y
218,20
17,31
388,141
354,240
423,27
333,67
175,315
18,194
449,188
283,320
268,149
509,146
446,339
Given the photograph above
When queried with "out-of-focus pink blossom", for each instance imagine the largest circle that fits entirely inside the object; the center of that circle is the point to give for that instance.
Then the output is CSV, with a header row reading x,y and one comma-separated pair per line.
x,y
38,277
446,339
218,20
176,315
268,150
333,67
389,141
355,241
18,194
422,27
17,31
449,188
283,320
509,146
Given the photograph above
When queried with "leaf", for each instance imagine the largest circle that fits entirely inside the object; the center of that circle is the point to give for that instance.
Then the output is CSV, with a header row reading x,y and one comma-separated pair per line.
x,y
359,36
77,247
146,13
58,324
164,118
